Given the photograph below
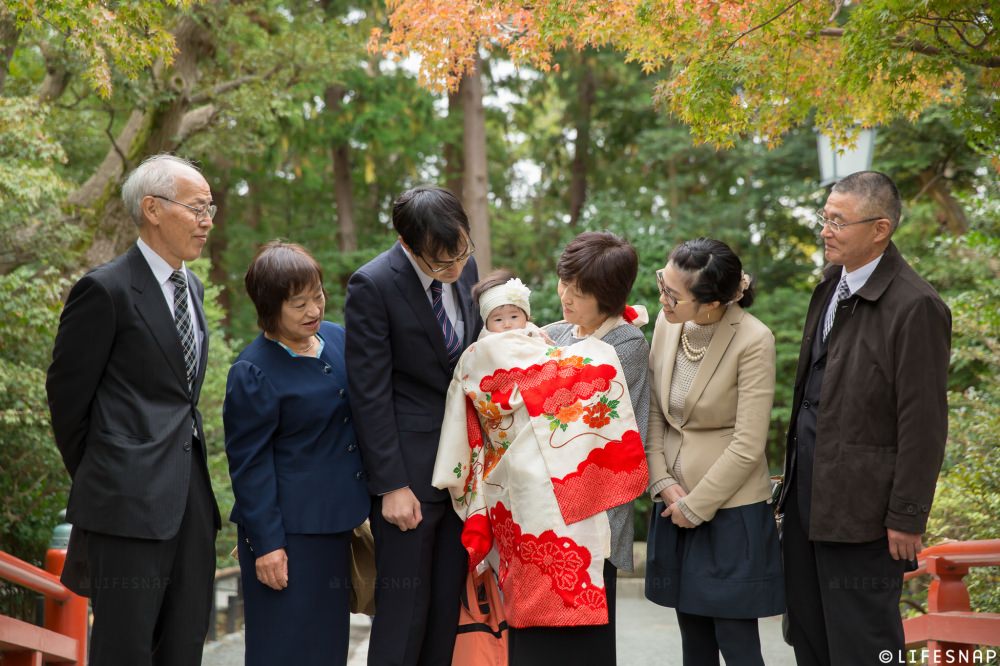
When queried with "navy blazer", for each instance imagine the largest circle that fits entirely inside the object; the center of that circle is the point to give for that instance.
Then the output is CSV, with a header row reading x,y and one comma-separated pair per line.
x,y
293,454
398,370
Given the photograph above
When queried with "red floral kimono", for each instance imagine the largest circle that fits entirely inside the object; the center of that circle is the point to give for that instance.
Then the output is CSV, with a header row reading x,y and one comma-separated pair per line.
x,y
537,443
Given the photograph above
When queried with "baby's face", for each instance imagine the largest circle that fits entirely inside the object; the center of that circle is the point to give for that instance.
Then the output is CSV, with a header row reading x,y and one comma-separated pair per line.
x,y
506,318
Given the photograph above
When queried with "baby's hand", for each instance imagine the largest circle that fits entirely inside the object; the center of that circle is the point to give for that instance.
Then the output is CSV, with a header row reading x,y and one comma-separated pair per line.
x,y
545,336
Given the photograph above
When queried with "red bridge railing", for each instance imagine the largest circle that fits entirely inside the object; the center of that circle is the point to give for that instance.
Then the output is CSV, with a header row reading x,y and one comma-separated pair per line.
x,y
949,628
63,639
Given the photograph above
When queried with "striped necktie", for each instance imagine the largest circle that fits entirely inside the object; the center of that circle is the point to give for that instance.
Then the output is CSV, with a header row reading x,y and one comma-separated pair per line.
x,y
451,341
843,291
182,320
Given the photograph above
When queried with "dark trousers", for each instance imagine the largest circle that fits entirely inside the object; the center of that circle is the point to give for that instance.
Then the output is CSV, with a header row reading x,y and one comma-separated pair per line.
x,y
152,599
843,598
592,645
420,574
704,637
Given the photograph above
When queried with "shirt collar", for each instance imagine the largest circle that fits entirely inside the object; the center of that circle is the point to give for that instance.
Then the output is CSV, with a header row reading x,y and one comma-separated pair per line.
x,y
425,279
857,278
161,269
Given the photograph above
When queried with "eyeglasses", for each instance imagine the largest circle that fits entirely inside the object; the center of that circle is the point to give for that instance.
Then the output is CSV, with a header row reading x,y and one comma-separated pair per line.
x,y
672,300
442,266
839,226
200,213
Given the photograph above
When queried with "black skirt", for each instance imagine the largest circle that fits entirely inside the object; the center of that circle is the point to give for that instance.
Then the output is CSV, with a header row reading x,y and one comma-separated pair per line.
x,y
728,567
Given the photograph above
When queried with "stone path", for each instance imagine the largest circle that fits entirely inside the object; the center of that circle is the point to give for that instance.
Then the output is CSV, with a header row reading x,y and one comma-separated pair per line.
x,y
647,636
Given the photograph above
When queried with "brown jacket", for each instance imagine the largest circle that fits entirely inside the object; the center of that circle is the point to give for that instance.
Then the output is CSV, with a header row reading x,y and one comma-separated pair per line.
x,y
883,419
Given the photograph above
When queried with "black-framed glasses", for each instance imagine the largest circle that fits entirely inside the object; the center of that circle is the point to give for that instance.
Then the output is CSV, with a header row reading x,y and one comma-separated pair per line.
x,y
442,266
672,300
824,221
200,212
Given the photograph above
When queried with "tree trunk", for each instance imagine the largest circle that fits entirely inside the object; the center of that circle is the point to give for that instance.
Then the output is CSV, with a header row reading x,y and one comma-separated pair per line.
x,y
95,204
949,213
579,170
453,168
475,183
343,185
9,34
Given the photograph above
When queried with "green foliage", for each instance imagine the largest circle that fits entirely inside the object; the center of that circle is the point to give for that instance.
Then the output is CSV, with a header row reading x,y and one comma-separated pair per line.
x,y
33,483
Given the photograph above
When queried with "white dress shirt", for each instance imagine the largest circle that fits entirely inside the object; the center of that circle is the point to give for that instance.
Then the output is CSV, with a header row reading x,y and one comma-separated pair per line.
x,y
162,272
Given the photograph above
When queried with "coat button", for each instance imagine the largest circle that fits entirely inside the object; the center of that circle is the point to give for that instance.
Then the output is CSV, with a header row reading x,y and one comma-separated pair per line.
x,y
805,404
925,508
187,446
326,369
910,508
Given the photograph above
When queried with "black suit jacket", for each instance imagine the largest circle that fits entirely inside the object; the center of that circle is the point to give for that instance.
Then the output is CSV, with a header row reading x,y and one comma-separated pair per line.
x,y
398,371
121,411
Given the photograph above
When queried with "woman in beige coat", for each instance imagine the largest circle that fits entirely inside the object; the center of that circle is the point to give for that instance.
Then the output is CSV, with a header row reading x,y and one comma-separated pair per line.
x,y
713,546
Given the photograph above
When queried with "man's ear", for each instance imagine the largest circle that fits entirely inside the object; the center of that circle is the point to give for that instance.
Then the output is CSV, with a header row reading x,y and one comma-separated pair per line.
x,y
150,209
883,230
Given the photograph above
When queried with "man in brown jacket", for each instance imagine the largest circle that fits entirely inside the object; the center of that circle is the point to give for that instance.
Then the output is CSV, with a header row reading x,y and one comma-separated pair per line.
x,y
867,433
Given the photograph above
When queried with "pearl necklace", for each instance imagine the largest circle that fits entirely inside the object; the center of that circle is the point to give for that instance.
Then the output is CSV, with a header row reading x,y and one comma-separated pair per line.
x,y
692,354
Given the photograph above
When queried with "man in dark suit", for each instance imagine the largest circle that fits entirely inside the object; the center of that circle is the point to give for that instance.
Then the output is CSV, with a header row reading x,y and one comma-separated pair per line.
x,y
409,315
867,433
127,369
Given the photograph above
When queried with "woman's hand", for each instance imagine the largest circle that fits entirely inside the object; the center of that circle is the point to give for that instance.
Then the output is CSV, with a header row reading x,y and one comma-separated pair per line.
x,y
272,569
669,495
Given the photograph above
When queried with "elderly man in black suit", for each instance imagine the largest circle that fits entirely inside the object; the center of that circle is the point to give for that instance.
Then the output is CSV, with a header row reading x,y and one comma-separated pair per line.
x,y
409,315
123,387
867,433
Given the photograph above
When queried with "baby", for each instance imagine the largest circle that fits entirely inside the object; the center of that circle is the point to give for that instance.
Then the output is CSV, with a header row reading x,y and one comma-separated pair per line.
x,y
504,305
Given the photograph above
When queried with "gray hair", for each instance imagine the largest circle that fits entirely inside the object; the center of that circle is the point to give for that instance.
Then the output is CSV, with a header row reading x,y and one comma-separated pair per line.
x,y
877,194
156,175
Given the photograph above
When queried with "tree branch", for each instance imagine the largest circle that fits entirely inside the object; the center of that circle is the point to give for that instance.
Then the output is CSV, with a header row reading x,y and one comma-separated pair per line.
x,y
226,86
758,27
987,61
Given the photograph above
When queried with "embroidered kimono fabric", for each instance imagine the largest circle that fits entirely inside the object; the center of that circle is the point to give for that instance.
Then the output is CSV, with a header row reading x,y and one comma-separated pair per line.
x,y
537,443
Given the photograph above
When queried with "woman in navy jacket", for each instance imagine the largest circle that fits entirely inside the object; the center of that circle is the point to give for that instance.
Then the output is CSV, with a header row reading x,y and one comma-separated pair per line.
x,y
295,466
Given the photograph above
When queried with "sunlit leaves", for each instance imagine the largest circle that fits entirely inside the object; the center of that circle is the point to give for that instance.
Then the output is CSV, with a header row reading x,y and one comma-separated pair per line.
x,y
129,38
735,67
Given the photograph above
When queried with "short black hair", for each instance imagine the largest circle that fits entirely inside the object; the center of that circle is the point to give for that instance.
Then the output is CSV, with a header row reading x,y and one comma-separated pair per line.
x,y
602,265
431,219
878,194
713,271
278,271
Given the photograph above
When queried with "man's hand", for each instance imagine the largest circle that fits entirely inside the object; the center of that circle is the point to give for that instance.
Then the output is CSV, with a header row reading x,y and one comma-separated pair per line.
x,y
272,569
903,545
402,509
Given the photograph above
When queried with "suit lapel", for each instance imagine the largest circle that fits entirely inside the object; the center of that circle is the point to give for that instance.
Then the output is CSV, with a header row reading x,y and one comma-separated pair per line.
x,y
152,308
411,289
716,348
671,347
197,296
817,308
